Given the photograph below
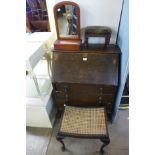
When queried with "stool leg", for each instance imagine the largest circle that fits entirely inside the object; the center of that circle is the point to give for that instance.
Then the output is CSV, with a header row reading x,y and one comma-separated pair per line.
x,y
86,43
105,142
107,40
60,138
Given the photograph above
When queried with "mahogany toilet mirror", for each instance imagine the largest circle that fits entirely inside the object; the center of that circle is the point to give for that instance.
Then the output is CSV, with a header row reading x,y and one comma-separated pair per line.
x,y
67,22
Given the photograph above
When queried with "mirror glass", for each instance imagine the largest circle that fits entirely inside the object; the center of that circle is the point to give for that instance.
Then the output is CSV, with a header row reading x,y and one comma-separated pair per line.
x,y
67,21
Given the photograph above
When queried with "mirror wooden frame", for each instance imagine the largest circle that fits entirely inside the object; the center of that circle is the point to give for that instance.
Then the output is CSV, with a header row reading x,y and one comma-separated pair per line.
x,y
58,5
67,43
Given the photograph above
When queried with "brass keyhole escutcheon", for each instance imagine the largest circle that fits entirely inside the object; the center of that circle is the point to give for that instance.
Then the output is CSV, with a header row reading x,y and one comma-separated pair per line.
x,y
85,56
114,61
84,59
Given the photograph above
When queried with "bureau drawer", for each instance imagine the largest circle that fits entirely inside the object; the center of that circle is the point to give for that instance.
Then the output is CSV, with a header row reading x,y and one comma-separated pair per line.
x,y
89,99
82,99
85,88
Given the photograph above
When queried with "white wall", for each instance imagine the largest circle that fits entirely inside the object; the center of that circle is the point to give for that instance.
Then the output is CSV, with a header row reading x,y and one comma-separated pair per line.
x,y
100,12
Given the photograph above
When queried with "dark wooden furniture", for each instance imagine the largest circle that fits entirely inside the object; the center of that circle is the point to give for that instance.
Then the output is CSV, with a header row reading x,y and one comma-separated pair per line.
x,y
87,122
67,22
98,31
87,74
85,81
86,78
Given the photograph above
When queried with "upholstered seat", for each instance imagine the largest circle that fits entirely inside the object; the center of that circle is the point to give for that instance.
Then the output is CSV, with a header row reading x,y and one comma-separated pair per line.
x,y
98,31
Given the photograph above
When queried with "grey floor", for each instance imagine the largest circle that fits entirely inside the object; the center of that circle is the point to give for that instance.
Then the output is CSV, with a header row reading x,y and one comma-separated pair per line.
x,y
41,141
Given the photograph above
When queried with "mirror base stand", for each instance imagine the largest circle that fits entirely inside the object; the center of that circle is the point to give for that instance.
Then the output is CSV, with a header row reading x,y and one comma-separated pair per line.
x,y
67,45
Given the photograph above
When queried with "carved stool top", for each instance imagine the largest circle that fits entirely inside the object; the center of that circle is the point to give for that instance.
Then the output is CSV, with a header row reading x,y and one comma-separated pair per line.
x,y
97,31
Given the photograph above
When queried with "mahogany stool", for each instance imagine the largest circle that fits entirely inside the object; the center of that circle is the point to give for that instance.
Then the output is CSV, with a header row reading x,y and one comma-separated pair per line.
x,y
84,122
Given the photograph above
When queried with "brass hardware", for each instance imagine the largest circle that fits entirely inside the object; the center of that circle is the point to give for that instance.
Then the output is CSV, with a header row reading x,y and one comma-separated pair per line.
x,y
114,61
84,59
58,91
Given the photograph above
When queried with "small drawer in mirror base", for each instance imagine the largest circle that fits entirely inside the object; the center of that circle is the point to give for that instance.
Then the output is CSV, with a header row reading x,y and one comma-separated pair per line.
x,y
67,45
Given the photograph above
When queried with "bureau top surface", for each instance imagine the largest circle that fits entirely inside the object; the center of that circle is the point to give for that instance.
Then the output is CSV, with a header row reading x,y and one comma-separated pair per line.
x,y
99,48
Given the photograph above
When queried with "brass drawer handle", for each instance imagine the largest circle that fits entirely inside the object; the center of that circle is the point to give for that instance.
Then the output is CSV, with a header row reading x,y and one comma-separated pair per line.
x,y
58,91
114,61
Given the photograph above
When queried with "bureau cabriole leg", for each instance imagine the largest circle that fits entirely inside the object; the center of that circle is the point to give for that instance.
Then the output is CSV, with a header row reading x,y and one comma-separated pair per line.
x,y
105,142
60,138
